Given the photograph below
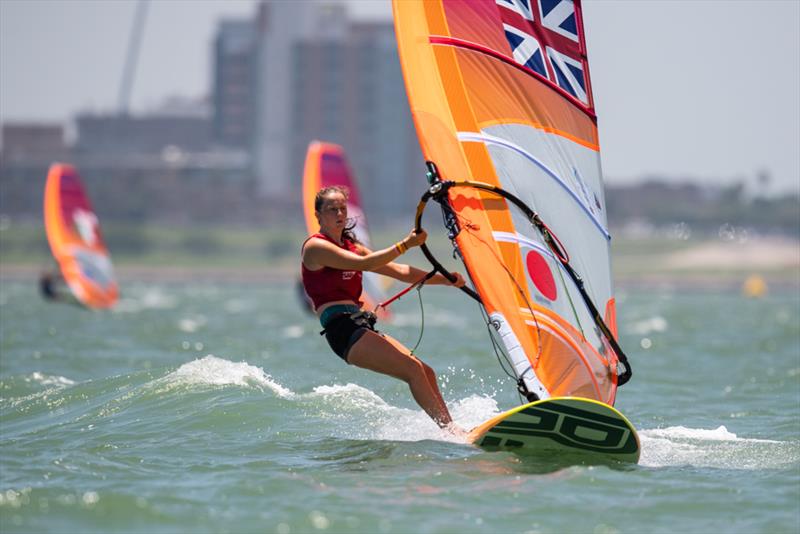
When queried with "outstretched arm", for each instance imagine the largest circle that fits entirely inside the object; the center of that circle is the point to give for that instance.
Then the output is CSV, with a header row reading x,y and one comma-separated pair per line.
x,y
410,274
319,253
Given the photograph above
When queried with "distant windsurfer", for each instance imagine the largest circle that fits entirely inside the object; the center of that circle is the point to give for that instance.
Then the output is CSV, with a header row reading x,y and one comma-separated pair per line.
x,y
52,287
332,265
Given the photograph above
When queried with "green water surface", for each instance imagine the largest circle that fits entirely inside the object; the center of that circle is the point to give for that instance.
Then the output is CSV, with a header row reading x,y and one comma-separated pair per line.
x,y
219,408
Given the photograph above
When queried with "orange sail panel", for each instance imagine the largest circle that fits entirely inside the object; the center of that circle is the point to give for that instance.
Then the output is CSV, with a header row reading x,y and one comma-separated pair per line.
x,y
326,165
500,94
73,232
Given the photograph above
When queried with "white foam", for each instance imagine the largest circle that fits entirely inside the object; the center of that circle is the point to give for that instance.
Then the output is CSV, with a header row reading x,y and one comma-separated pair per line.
x,y
213,371
683,433
152,299
359,413
239,306
362,414
192,324
473,410
351,394
48,380
647,326
293,331
715,448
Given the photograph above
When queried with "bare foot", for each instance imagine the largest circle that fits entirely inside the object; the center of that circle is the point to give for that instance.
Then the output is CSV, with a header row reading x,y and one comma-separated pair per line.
x,y
456,430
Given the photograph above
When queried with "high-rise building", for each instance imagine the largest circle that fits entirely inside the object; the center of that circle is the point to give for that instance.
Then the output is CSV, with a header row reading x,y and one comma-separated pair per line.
x,y
348,89
315,74
280,25
235,89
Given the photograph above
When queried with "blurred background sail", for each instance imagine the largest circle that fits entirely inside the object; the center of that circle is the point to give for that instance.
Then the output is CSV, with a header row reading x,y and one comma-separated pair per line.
x,y
326,166
73,232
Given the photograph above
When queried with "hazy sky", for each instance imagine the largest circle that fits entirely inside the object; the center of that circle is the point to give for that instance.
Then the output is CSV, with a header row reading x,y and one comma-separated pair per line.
x,y
708,90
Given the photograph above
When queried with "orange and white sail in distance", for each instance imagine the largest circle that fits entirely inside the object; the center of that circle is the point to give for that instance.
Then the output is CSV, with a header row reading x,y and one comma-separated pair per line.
x,y
326,165
500,94
73,232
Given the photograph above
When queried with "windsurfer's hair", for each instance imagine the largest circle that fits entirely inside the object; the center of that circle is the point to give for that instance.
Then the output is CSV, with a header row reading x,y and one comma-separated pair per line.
x,y
325,191
319,200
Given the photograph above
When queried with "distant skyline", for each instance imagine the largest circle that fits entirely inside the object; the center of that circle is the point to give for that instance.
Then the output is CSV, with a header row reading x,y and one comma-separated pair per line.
x,y
702,90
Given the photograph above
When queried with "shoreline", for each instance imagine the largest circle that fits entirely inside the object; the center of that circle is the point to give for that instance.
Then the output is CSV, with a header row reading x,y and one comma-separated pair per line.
x,y
639,264
781,280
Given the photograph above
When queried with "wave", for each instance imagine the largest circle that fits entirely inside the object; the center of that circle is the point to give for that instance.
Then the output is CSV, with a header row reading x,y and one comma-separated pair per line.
x,y
212,394
714,448
359,413
215,393
49,380
214,371
192,389
718,434
20,386
346,411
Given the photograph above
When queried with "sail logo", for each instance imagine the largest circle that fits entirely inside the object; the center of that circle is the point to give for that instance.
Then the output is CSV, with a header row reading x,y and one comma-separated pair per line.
x,y
526,49
589,199
86,225
556,15
559,16
541,275
95,267
543,36
569,74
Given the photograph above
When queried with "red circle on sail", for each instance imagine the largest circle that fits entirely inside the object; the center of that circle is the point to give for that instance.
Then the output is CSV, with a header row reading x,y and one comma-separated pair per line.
x,y
540,274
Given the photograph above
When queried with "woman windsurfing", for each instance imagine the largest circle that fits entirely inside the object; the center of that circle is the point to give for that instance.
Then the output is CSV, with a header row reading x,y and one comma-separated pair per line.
x,y
332,266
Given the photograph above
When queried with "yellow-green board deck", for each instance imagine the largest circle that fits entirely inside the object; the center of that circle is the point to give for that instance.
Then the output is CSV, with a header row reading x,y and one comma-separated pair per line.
x,y
566,424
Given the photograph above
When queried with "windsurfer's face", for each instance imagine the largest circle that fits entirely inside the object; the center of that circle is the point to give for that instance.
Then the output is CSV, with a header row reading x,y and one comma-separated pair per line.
x,y
332,215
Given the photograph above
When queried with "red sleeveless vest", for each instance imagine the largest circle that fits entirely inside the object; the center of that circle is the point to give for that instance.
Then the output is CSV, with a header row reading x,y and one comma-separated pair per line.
x,y
329,284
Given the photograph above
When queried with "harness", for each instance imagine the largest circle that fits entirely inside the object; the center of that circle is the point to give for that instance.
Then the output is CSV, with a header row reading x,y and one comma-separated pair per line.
x,y
362,318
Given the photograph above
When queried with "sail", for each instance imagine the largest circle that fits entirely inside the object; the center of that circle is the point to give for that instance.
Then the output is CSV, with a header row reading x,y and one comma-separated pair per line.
x,y
500,94
73,232
326,165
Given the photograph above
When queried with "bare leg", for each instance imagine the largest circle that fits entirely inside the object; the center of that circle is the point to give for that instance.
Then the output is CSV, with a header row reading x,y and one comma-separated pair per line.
x,y
430,374
377,353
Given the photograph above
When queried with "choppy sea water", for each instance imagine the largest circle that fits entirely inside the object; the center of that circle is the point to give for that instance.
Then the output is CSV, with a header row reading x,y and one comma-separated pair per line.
x,y
219,408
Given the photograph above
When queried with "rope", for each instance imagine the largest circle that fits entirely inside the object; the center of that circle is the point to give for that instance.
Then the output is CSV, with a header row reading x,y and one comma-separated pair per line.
x,y
422,319
510,275
571,304
495,346
439,188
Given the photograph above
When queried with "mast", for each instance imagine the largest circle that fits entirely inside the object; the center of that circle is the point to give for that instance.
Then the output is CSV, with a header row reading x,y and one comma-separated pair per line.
x,y
134,45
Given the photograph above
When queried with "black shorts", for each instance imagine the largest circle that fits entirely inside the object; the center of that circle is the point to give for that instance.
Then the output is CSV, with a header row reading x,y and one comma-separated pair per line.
x,y
343,331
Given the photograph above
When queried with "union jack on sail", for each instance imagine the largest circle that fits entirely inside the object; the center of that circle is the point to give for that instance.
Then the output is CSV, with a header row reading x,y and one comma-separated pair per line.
x,y
543,36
